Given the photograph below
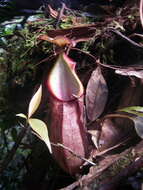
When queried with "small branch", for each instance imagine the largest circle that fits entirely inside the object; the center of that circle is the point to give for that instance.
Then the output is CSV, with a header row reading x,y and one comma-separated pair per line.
x,y
128,171
12,152
126,164
60,15
5,140
114,67
72,186
117,115
111,148
125,37
73,153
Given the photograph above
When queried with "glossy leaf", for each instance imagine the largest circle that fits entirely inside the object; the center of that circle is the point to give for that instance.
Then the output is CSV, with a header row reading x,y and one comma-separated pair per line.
x,y
138,122
136,110
35,101
21,115
41,129
96,95
63,82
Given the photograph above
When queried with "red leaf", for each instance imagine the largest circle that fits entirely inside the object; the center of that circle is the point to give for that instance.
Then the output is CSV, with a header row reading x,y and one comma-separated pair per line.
x,y
96,95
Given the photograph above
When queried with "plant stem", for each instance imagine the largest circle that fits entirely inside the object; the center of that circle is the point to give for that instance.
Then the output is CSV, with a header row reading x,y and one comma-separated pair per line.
x,y
12,152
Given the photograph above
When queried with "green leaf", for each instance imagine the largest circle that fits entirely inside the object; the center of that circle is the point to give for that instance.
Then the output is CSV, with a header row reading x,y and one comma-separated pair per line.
x,y
35,101
138,123
136,110
41,129
21,115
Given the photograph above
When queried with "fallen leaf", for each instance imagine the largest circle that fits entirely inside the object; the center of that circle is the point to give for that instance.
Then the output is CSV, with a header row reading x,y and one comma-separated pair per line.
x,y
58,40
96,95
35,101
74,34
41,129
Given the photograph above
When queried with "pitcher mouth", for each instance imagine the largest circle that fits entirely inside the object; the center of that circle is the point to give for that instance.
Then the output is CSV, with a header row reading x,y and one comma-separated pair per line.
x,y
63,82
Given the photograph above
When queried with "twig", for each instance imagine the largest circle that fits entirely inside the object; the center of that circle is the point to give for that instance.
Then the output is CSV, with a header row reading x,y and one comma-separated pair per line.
x,y
97,60
72,186
12,152
116,115
114,67
124,37
73,153
60,15
111,148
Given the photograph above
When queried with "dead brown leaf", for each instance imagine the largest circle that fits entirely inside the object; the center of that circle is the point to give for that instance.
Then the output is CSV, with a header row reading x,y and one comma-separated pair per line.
x,y
72,36
96,95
